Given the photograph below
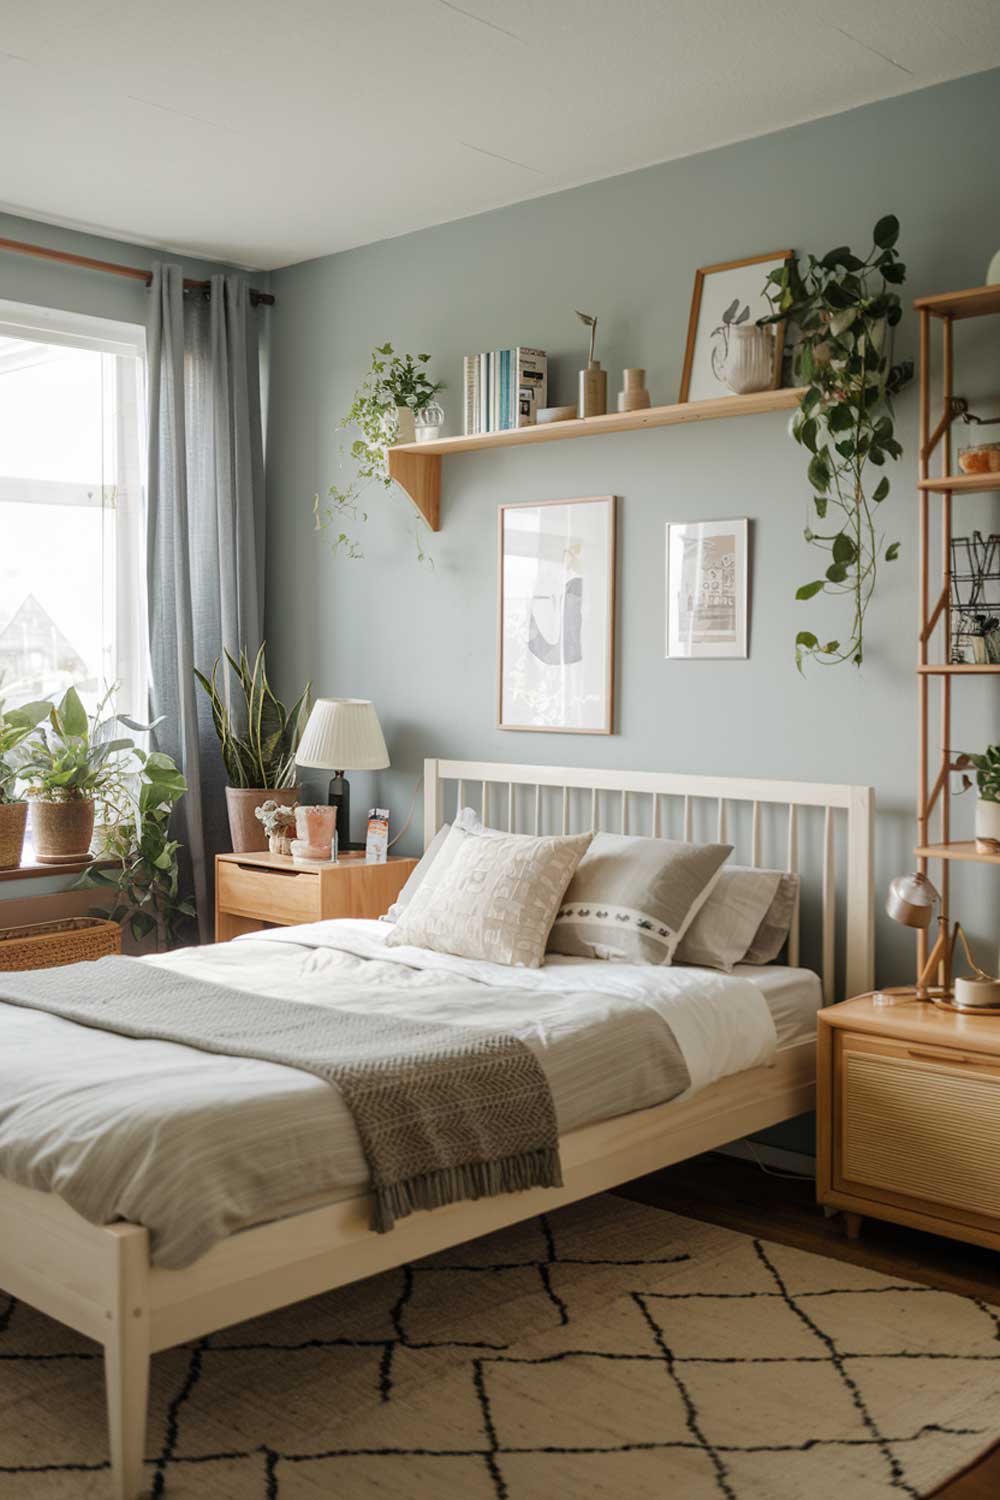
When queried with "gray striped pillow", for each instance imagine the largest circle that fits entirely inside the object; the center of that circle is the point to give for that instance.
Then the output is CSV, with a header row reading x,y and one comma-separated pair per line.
x,y
632,899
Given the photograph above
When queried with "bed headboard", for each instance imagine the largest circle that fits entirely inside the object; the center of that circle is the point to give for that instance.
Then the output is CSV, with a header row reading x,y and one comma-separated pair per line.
x,y
811,820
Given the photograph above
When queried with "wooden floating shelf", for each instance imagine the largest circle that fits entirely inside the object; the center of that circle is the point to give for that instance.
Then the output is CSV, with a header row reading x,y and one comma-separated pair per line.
x,y
966,850
416,467
977,302
960,669
961,484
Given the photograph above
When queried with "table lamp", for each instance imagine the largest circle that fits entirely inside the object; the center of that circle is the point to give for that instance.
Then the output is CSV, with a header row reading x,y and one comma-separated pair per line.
x,y
911,902
343,734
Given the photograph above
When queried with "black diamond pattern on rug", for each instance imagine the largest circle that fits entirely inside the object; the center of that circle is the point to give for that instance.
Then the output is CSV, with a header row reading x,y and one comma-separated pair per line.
x,y
608,1350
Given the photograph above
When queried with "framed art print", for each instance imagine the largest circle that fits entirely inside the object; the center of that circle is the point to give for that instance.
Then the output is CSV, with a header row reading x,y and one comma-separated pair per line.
x,y
556,616
728,299
707,588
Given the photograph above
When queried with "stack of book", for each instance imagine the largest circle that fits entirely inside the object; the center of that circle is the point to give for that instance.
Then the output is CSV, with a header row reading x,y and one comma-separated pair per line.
x,y
504,388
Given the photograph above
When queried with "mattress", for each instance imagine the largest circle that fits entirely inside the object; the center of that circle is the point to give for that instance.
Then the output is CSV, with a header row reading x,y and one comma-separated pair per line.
x,y
793,997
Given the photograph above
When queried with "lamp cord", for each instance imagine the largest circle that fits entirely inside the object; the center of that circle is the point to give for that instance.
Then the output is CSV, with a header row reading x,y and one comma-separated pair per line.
x,y
409,815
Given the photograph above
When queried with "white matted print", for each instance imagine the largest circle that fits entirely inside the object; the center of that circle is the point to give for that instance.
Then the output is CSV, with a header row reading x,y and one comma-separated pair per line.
x,y
726,297
556,628
707,588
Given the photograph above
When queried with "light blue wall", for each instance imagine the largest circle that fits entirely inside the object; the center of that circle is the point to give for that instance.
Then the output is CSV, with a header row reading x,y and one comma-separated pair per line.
x,y
421,642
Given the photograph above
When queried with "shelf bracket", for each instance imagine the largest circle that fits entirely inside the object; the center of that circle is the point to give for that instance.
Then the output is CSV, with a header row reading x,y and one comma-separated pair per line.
x,y
419,474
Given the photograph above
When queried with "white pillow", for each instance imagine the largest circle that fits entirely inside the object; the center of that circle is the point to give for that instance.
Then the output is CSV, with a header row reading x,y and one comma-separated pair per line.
x,y
772,933
727,923
467,819
496,898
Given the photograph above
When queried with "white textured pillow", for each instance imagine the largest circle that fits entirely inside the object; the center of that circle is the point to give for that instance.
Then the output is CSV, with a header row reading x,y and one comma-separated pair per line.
x,y
727,923
466,819
495,899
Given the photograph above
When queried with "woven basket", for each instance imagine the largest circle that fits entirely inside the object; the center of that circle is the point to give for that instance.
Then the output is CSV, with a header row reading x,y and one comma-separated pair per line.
x,y
48,945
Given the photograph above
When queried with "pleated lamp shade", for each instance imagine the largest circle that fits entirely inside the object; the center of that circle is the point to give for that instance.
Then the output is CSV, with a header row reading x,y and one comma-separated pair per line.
x,y
343,734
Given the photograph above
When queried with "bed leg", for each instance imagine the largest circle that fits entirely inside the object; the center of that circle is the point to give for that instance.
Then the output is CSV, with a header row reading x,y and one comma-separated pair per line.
x,y
126,1361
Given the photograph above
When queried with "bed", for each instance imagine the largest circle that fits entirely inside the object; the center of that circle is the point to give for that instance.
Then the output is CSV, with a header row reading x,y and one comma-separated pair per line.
x,y
106,1282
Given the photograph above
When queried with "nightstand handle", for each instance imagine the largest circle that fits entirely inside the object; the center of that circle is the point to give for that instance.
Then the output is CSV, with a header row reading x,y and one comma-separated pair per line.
x,y
270,870
949,1057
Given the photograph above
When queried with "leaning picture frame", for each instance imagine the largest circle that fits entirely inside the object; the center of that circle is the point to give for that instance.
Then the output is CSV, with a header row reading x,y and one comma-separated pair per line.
x,y
728,297
707,576
556,616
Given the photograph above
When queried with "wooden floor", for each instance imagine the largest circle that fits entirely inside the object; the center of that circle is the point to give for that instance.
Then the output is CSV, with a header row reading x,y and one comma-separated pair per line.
x,y
739,1195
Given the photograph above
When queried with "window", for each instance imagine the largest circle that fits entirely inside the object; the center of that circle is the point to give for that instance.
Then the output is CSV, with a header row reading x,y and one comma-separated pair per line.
x,y
72,603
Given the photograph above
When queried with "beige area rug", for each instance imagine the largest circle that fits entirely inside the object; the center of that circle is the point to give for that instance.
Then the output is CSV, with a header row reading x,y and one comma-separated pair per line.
x,y
610,1350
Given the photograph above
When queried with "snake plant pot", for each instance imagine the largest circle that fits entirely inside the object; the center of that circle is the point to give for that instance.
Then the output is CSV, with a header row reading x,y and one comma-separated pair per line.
x,y
987,827
61,831
13,817
246,831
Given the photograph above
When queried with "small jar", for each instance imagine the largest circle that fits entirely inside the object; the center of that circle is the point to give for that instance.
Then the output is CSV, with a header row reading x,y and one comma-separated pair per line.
x,y
428,422
980,458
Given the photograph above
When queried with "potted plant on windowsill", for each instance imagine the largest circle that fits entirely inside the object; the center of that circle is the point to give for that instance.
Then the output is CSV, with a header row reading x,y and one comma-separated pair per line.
x,y
16,726
258,745
67,767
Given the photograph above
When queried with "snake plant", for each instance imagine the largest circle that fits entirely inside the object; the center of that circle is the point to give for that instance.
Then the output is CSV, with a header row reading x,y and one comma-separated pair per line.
x,y
260,740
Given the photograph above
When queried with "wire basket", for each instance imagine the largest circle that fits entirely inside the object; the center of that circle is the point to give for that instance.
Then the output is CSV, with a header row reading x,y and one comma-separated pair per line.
x,y
49,945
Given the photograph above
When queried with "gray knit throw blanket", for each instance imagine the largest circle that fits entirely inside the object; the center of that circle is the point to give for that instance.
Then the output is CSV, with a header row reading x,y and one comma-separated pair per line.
x,y
443,1112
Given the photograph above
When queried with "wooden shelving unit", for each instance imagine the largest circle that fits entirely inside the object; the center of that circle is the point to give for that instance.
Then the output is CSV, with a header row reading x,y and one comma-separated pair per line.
x,y
416,467
935,608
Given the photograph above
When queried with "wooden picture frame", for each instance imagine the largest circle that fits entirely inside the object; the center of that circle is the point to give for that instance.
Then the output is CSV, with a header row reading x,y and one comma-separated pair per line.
x,y
707,590
526,701
739,286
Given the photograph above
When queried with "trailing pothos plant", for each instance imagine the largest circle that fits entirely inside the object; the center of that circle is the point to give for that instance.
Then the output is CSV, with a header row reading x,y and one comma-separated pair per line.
x,y
844,308
144,887
391,380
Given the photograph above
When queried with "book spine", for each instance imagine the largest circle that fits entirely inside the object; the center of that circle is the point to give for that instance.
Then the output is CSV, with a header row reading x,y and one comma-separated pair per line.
x,y
484,393
532,384
471,387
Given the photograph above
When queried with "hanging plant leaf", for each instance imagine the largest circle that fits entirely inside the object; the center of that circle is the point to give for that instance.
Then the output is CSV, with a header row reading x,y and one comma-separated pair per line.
x,y
843,307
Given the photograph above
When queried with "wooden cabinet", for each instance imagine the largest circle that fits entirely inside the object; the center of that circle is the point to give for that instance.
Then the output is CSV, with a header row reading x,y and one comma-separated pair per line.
x,y
908,1099
267,890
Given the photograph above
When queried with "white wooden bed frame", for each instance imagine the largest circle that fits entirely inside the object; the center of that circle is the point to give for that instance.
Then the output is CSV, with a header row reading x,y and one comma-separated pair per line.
x,y
100,1281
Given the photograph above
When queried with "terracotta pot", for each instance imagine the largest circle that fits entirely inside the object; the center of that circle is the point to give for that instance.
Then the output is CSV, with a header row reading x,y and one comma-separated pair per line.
x,y
245,830
13,816
61,831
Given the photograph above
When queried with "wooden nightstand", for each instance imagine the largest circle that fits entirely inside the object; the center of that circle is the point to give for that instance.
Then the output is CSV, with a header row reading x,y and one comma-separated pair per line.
x,y
267,890
908,1117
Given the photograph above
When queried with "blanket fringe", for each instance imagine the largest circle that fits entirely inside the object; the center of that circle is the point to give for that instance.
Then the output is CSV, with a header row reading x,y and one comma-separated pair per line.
x,y
478,1179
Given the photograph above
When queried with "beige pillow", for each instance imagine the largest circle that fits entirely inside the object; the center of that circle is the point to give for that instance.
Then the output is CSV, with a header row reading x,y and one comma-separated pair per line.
x,y
728,921
495,898
470,822
632,898
773,931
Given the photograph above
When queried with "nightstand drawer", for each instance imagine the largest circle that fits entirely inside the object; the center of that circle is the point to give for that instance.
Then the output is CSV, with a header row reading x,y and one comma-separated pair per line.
x,y
918,1125
281,896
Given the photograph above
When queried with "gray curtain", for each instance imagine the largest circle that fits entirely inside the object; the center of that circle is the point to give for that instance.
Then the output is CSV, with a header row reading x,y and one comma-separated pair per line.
x,y
205,532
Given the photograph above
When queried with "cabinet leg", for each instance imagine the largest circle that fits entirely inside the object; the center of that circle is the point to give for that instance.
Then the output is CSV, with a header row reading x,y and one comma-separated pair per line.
x,y
853,1224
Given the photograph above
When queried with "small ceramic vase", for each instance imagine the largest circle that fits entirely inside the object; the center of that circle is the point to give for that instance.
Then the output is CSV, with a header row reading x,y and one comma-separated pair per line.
x,y
280,843
749,364
635,396
428,422
593,400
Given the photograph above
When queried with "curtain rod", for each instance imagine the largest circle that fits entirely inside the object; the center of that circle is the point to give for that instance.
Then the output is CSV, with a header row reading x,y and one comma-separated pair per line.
x,y
132,272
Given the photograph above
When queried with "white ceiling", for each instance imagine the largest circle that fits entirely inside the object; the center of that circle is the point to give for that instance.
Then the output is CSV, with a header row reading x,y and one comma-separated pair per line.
x,y
266,133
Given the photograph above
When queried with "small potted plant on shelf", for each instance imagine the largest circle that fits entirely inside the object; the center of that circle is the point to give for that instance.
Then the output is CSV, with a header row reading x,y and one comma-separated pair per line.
x,y
395,390
987,769
278,824
258,742
16,726
67,767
